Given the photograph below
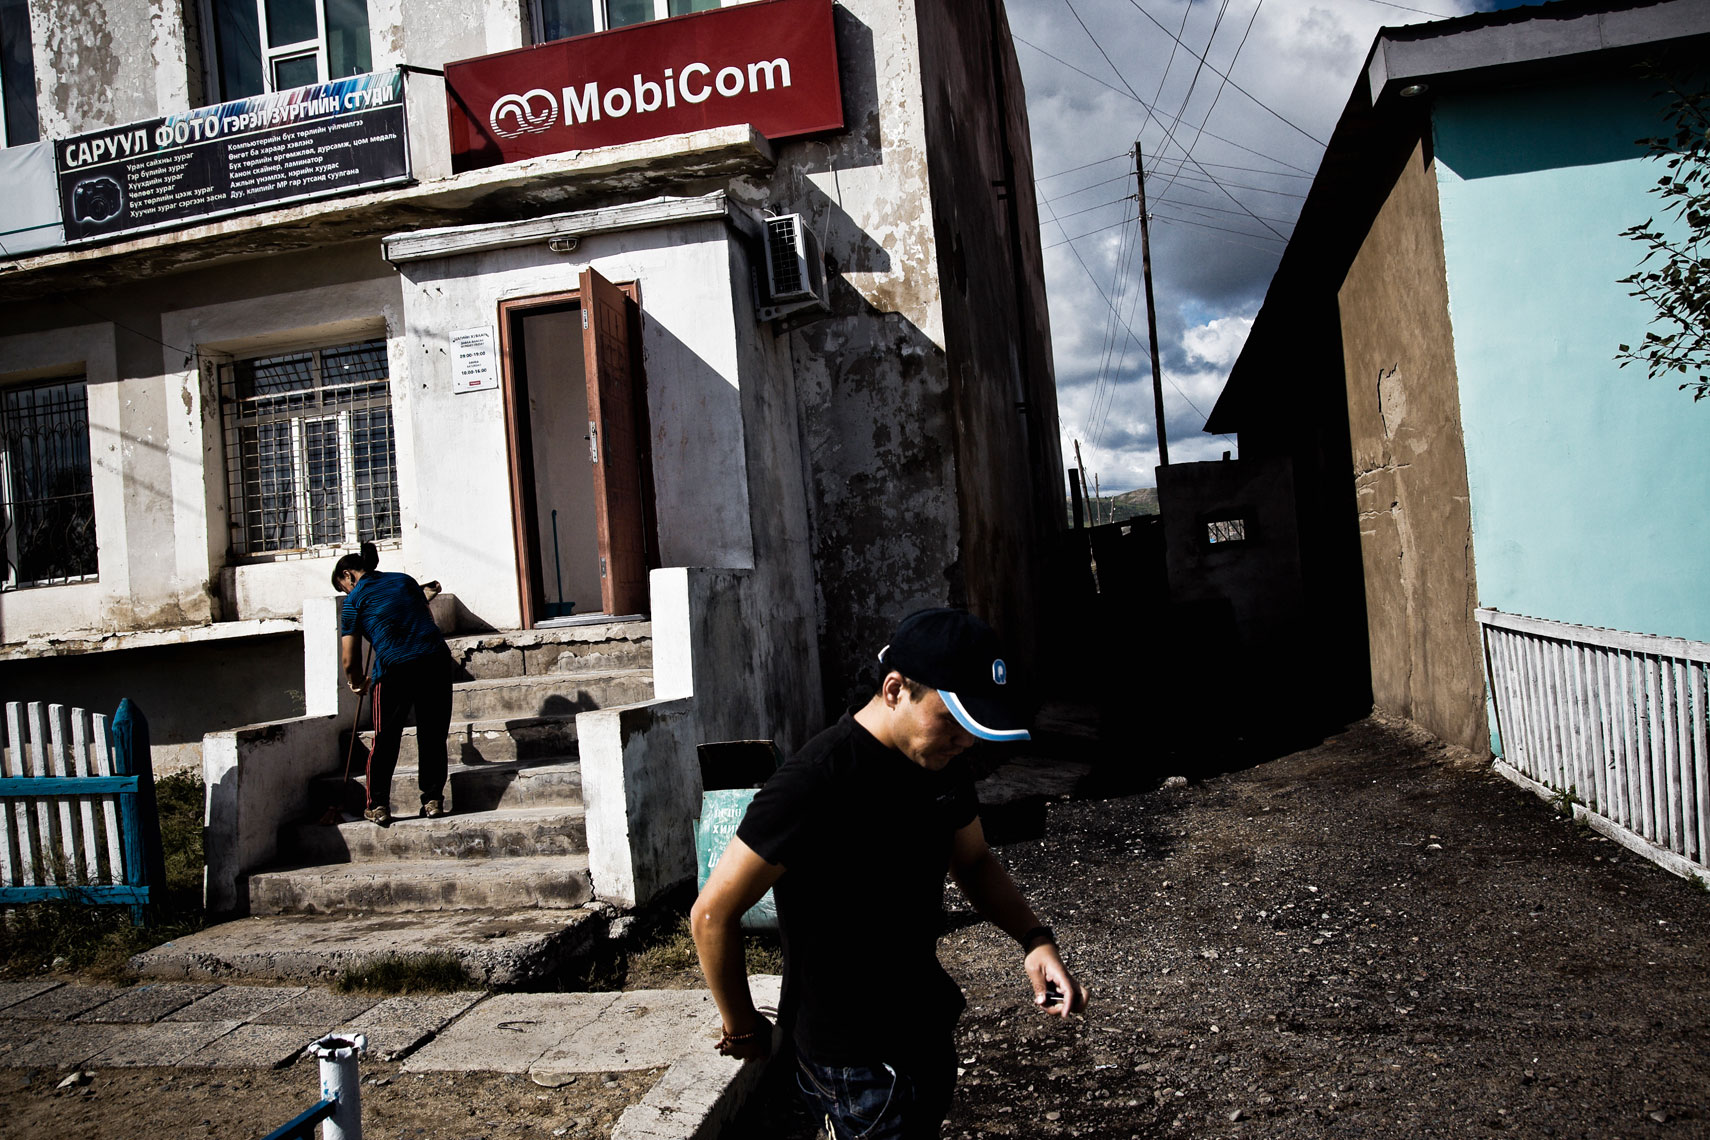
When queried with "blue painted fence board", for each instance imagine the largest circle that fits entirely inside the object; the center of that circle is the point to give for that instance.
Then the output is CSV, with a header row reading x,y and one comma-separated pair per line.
x,y
77,808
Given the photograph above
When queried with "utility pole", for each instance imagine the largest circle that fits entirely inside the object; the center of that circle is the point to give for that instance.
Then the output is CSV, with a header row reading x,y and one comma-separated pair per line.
x,y
1081,474
1151,310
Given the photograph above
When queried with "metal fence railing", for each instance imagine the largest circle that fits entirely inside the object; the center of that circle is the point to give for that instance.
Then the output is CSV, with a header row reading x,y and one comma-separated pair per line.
x,y
1613,723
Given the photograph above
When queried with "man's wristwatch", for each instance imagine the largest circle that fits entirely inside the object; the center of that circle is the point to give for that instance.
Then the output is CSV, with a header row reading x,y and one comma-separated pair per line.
x,y
1036,938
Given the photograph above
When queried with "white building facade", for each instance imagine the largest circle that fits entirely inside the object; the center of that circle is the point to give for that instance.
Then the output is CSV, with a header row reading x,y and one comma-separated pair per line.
x,y
273,288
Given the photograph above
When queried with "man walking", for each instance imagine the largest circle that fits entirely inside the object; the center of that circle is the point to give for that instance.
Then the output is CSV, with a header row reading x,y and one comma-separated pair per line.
x,y
856,831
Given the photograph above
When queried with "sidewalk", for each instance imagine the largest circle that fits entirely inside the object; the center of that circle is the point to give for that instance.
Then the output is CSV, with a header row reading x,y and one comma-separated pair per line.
x,y
68,1027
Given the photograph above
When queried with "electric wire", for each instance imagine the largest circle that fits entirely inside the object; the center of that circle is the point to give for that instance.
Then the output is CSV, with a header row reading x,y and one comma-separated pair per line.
x,y
1106,84
1259,102
1200,133
1167,132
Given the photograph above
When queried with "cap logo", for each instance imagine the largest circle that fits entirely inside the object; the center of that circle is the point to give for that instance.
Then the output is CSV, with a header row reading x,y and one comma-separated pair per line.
x,y
1000,672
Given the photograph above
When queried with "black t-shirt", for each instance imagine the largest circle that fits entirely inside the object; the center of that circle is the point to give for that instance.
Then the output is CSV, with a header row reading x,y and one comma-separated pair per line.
x,y
864,836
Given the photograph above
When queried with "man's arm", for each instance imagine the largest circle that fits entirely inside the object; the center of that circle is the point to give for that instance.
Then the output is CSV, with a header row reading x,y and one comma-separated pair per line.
x,y
350,660
995,895
715,920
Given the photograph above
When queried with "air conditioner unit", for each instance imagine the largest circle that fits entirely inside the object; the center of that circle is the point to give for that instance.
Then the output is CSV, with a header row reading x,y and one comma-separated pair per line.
x,y
795,269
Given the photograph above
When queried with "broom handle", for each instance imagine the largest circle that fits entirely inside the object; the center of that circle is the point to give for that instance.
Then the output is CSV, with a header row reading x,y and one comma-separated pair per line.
x,y
356,717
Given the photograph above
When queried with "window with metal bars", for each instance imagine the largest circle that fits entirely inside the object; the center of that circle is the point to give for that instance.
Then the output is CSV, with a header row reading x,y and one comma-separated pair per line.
x,y
310,456
46,493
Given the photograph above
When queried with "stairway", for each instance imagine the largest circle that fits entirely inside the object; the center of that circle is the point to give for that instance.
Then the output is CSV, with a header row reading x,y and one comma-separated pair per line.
x,y
516,838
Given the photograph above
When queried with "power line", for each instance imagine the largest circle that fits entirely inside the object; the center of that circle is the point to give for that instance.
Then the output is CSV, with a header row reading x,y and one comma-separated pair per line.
x,y
1088,186
1262,105
1142,102
1214,99
1083,166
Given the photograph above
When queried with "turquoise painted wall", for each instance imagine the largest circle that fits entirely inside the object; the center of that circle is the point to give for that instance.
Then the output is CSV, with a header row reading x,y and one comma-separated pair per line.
x,y
1590,484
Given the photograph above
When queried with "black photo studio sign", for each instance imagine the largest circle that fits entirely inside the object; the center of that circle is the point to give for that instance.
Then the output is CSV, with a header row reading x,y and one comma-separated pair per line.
x,y
309,142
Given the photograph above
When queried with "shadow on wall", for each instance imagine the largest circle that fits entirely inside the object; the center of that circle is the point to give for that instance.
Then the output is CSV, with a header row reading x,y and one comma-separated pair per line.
x,y
186,690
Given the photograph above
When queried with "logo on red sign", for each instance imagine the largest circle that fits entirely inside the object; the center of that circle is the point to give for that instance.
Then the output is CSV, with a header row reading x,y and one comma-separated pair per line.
x,y
771,64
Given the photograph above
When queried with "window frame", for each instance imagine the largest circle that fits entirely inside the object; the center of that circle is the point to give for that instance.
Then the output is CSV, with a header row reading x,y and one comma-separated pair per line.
x,y
252,467
34,106
535,14
270,56
9,502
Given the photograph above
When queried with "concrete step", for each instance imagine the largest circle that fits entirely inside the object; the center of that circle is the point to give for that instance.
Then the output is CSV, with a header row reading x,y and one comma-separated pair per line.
x,y
554,883
538,652
478,787
486,741
498,834
507,949
549,695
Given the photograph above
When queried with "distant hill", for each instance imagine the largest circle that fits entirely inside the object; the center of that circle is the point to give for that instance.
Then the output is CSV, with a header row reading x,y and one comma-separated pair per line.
x,y
1115,508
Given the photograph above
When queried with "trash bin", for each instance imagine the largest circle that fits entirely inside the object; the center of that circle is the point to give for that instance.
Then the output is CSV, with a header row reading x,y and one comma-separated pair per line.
x,y
732,771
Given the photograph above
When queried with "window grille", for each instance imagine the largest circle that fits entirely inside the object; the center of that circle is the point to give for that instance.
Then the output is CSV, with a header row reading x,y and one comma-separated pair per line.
x,y
1226,530
310,455
49,499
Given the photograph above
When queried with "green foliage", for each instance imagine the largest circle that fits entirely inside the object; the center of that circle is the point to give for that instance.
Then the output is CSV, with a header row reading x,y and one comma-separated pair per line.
x,y
98,940
434,973
1674,273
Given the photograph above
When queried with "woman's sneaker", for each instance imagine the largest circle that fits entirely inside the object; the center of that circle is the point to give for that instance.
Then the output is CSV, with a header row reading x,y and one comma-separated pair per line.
x,y
380,814
433,809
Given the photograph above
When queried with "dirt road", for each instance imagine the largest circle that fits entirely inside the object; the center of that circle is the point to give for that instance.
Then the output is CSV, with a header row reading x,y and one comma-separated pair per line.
x,y
1376,937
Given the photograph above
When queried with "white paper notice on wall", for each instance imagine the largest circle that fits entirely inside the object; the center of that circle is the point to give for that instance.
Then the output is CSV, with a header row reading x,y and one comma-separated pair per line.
x,y
474,362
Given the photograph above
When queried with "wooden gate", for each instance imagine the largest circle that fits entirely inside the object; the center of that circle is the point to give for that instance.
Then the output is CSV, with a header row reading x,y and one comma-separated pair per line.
x,y
77,807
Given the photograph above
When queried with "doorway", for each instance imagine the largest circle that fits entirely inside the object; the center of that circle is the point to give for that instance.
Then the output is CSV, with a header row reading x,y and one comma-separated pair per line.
x,y
576,429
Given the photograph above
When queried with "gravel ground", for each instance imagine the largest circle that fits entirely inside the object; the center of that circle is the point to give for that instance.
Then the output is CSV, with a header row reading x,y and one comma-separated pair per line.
x,y
241,1104
1373,937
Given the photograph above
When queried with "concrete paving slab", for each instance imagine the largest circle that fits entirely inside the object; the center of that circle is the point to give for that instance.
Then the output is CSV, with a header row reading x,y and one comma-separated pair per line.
x,y
643,1029
253,1047
60,1047
11,993
701,1092
509,1032
237,1003
395,1042
398,1026
146,1003
64,1002
318,1009
158,1045
15,1035
499,949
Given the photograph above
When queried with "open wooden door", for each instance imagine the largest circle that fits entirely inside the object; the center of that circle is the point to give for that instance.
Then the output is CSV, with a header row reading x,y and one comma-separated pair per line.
x,y
612,445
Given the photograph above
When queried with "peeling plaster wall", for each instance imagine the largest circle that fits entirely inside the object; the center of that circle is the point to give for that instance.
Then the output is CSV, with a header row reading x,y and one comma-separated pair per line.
x,y
1410,468
100,63
872,384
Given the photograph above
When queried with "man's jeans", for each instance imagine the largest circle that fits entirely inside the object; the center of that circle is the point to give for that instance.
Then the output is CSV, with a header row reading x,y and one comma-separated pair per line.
x,y
902,1100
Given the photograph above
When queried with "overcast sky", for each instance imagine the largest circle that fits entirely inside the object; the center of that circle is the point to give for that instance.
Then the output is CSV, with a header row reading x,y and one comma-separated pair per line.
x,y
1218,222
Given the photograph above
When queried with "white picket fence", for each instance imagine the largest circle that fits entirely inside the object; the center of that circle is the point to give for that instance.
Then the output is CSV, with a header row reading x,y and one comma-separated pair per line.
x,y
1612,722
67,836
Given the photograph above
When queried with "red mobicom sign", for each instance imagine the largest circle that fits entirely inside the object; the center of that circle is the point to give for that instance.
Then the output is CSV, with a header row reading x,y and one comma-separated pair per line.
x,y
772,64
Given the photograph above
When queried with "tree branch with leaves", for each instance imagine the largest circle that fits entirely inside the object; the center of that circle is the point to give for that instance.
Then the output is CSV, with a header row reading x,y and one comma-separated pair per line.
x,y
1674,273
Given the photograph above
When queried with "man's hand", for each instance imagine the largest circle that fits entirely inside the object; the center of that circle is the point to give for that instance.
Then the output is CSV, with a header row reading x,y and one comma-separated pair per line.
x,y
753,1045
358,683
1045,968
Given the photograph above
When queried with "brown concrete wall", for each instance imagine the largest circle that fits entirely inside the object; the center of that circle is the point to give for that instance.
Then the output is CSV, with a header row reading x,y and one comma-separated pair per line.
x,y
1410,468
997,331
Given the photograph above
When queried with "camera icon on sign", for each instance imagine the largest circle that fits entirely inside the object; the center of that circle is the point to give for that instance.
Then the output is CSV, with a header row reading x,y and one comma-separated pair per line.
x,y
97,200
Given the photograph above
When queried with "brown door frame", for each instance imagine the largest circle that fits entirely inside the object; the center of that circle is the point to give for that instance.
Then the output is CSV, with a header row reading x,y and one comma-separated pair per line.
x,y
519,444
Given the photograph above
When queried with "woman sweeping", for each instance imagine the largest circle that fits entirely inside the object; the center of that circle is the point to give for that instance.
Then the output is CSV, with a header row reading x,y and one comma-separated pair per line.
x,y
412,668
